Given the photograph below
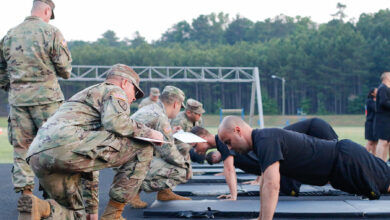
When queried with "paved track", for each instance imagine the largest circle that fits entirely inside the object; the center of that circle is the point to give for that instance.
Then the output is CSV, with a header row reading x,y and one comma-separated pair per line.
x,y
8,199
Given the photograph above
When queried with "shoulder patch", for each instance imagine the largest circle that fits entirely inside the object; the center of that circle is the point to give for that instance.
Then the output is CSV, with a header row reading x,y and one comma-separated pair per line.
x,y
64,44
167,129
119,96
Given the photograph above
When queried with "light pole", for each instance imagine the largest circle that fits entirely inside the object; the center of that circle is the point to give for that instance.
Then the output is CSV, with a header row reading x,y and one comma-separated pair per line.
x,y
283,92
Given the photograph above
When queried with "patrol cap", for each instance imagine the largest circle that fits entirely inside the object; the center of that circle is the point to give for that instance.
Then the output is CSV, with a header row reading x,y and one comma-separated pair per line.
x,y
51,4
127,73
174,92
195,106
154,91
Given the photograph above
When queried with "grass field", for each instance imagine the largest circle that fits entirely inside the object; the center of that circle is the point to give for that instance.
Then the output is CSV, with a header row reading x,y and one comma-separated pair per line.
x,y
346,126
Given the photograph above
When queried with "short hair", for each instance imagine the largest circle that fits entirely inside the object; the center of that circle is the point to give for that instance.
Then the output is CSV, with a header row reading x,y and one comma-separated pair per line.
x,y
209,157
166,98
385,75
200,131
370,96
39,6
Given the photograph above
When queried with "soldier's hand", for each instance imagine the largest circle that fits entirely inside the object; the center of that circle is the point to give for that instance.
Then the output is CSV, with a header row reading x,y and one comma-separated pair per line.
x,y
157,136
189,174
252,182
176,129
92,216
227,197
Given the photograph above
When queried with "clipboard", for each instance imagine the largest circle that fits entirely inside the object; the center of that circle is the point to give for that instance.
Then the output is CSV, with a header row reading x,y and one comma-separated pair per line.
x,y
188,137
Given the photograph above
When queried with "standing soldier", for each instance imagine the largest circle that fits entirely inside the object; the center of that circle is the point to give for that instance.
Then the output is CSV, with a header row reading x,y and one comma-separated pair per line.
x,y
91,131
186,120
31,56
168,168
153,98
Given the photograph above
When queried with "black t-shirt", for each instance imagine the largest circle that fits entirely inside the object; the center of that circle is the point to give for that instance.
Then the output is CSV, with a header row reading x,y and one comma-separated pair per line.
x,y
302,157
383,101
315,127
370,108
246,162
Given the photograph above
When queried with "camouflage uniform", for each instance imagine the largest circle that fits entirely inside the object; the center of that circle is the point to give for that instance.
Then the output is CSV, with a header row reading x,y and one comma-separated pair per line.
x,y
148,101
168,167
91,131
32,55
186,125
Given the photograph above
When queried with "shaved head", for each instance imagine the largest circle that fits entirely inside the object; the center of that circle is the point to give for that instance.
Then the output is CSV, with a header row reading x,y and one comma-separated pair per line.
x,y
230,122
236,134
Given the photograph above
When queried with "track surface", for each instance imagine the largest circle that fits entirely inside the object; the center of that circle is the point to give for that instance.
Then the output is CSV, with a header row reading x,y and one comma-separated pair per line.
x,y
8,199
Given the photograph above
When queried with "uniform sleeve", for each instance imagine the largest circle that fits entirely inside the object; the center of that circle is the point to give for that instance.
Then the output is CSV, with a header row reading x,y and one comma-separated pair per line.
x,y
115,116
178,122
269,151
384,100
60,56
4,78
169,152
91,193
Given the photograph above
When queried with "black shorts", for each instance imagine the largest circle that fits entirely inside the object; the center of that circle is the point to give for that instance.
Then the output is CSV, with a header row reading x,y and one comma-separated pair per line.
x,y
369,133
358,172
382,128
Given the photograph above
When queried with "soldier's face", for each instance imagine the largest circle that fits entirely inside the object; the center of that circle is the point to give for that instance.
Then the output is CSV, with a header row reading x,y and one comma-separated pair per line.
x,y
129,89
201,148
153,98
234,139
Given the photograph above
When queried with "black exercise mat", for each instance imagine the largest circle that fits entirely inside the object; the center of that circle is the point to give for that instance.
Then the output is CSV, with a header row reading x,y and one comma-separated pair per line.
x,y
220,179
250,209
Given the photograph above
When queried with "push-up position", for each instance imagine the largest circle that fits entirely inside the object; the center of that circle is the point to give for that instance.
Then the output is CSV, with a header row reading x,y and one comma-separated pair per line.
x,y
345,164
249,163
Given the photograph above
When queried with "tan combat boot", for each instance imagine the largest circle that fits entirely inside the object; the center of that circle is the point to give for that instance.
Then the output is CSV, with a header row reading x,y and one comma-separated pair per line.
x,y
167,195
137,203
113,211
31,207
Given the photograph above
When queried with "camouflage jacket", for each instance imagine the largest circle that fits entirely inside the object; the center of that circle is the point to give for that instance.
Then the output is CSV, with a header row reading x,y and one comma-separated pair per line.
x,y
155,117
146,101
182,121
88,118
31,56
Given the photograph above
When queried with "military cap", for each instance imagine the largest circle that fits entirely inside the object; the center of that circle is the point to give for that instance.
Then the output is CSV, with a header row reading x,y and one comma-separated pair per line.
x,y
175,92
154,91
127,73
195,106
51,4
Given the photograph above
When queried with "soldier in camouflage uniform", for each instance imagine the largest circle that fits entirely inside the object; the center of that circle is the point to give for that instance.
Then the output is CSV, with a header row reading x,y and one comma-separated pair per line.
x,y
89,132
153,98
168,167
186,120
32,55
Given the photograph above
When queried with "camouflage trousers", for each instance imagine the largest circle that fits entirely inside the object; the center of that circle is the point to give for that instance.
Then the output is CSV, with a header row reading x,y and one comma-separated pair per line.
x,y
163,175
60,171
23,124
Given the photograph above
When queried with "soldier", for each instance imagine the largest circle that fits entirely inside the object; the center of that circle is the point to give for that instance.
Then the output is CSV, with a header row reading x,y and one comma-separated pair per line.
x,y
168,168
192,116
31,56
186,120
91,131
153,98
346,165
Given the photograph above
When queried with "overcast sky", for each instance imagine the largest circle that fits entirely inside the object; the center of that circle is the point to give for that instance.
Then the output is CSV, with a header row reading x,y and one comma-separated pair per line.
x,y
88,19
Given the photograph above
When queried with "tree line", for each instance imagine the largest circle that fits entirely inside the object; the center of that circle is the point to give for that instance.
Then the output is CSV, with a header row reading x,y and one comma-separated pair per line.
x,y
328,67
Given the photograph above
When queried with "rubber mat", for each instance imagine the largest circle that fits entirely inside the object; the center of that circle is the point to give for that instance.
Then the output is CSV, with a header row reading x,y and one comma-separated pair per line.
x,y
219,179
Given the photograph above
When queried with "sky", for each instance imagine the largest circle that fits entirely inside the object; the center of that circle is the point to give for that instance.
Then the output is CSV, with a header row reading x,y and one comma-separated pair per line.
x,y
88,19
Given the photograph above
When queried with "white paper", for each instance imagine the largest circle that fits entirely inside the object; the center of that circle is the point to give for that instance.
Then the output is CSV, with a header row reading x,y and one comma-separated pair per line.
x,y
151,140
188,137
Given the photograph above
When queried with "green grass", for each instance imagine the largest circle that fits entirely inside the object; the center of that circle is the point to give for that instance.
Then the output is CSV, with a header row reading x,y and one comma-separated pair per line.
x,y
346,126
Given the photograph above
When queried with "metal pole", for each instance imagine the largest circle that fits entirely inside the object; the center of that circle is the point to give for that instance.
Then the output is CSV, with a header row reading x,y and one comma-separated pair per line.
x,y
252,105
283,97
259,99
